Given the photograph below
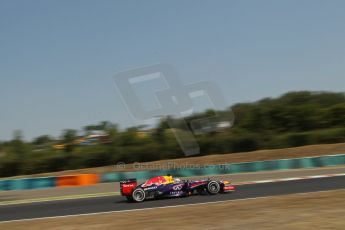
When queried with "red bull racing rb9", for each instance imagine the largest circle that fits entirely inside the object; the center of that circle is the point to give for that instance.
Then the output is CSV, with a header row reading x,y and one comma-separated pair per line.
x,y
167,186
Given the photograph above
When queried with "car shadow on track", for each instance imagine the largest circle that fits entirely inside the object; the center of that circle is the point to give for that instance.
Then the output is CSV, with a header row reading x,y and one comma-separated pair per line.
x,y
158,199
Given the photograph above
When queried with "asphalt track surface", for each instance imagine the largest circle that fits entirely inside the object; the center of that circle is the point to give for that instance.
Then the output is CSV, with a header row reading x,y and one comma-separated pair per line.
x,y
119,203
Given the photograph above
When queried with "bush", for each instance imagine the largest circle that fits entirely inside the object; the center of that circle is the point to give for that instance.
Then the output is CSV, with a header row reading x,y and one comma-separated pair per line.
x,y
298,139
328,136
244,144
10,167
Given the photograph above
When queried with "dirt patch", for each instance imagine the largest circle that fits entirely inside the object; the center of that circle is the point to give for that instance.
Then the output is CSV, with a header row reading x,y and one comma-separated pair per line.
x,y
320,210
260,155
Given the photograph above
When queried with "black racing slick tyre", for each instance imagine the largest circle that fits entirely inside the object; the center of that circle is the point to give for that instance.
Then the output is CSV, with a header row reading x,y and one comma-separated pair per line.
x,y
138,195
213,187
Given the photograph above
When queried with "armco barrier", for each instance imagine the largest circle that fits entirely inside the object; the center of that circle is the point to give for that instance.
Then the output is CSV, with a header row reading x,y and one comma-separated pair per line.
x,y
27,183
42,182
47,182
89,179
294,163
4,185
70,180
77,180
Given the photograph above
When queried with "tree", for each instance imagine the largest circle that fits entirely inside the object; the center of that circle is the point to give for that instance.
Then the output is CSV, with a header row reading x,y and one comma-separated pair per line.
x,y
17,135
336,115
17,145
68,138
42,140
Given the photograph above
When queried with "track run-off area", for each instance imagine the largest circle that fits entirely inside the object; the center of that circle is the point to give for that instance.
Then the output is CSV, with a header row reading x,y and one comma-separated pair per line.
x,y
99,205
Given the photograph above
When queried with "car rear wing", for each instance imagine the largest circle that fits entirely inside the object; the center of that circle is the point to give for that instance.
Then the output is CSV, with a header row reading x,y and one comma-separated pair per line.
x,y
127,186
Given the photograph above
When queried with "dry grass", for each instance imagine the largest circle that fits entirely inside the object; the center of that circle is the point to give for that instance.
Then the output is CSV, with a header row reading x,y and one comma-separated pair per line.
x,y
321,210
260,155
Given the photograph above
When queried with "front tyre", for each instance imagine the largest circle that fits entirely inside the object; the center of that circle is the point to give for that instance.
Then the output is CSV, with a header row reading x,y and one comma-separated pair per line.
x,y
138,195
213,187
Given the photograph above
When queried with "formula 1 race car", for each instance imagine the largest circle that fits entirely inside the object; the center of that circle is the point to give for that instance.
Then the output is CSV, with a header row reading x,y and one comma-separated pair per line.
x,y
167,186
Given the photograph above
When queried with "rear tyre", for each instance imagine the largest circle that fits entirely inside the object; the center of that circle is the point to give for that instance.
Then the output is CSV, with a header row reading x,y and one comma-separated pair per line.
x,y
213,187
138,195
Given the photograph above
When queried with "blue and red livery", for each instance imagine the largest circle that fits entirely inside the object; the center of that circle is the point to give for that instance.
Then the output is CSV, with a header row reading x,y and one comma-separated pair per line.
x,y
167,186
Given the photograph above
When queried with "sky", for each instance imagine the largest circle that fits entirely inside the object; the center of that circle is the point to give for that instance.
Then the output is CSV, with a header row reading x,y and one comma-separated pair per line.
x,y
58,57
